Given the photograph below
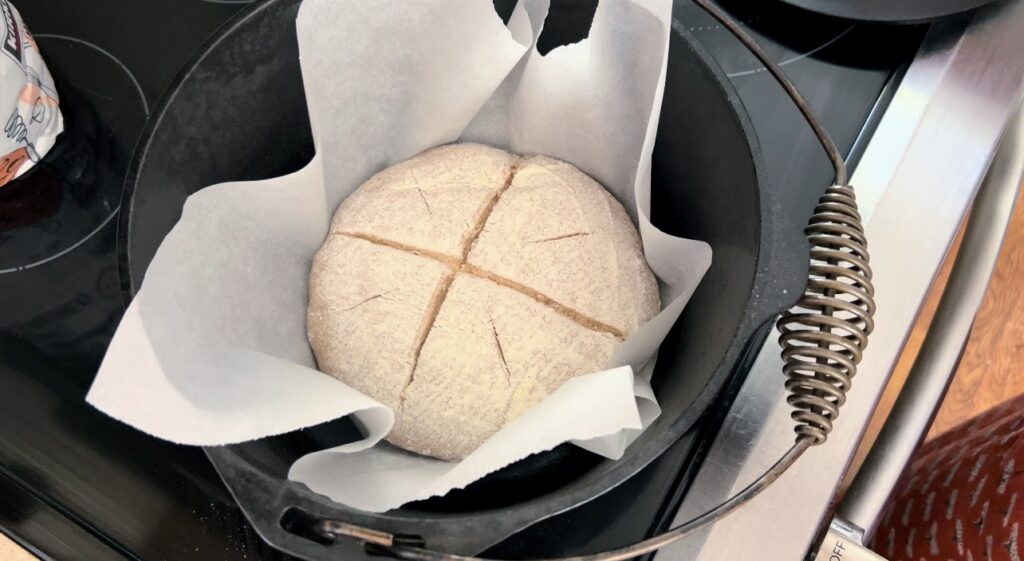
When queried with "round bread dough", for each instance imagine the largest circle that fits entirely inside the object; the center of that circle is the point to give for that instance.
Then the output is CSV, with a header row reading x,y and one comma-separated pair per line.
x,y
465,285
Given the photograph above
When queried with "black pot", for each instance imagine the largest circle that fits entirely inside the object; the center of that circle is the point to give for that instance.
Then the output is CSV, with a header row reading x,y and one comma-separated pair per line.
x,y
238,113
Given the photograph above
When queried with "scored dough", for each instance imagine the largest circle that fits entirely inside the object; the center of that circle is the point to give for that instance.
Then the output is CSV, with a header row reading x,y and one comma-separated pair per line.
x,y
362,325
559,232
465,285
495,353
430,201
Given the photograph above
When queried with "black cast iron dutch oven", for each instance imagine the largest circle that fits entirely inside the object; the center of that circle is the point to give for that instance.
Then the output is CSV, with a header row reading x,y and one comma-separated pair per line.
x,y
238,113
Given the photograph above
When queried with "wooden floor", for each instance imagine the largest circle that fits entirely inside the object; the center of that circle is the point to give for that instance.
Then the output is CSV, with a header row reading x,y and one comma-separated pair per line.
x,y
991,370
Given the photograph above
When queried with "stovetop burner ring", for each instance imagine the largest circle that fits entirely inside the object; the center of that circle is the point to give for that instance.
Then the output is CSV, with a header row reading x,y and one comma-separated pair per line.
x,y
772,28
74,191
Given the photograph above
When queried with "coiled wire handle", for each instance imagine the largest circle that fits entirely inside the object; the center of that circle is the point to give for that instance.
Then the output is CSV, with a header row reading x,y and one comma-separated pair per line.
x,y
822,337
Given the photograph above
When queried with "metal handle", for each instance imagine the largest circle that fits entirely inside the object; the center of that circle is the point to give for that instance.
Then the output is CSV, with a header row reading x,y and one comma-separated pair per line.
x,y
930,375
824,335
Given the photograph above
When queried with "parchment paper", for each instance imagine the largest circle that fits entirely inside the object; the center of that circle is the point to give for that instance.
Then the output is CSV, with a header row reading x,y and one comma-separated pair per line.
x,y
213,349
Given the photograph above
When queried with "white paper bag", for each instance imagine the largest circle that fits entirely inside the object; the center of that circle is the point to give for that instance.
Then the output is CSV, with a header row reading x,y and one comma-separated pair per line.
x,y
213,350
28,98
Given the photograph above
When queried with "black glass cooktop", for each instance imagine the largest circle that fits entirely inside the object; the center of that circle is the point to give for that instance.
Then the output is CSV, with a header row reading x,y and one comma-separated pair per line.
x,y
75,484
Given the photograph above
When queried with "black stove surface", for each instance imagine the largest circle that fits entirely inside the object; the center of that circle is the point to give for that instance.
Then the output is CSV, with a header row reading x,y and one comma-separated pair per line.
x,y
77,484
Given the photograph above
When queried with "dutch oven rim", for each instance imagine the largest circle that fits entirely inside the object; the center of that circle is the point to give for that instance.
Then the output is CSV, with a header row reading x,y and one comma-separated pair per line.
x,y
780,247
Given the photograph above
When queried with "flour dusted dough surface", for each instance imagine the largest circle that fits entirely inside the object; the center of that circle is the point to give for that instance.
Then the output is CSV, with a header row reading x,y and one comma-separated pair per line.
x,y
366,304
465,285
493,353
429,201
558,231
